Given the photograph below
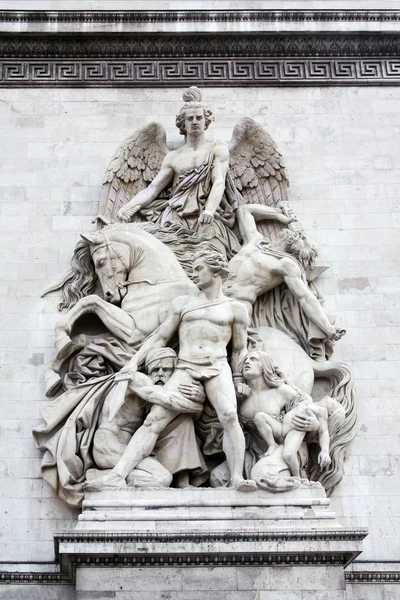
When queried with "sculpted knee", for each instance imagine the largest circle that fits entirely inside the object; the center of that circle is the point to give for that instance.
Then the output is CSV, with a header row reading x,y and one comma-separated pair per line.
x,y
85,302
164,478
287,456
259,419
88,301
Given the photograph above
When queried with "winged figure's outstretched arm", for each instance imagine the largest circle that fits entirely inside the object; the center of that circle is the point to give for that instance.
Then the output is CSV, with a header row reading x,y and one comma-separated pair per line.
x,y
147,195
134,166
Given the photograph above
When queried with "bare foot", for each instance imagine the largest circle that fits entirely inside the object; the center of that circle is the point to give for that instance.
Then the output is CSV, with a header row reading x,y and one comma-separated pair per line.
x,y
109,480
270,450
52,382
243,485
64,346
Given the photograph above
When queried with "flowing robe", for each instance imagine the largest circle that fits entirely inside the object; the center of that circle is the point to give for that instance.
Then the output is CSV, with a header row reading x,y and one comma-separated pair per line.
x,y
187,201
71,420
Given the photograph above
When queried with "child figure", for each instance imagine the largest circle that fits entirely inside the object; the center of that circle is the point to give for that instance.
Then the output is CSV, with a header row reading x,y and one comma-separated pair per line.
x,y
330,416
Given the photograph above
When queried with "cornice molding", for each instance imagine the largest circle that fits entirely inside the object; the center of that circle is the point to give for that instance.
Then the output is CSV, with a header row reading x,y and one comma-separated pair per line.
x,y
83,537
227,548
260,45
59,578
221,16
35,578
372,577
141,57
74,550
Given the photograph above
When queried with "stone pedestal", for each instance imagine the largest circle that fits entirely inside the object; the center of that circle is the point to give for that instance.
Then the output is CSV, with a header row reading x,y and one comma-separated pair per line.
x,y
188,544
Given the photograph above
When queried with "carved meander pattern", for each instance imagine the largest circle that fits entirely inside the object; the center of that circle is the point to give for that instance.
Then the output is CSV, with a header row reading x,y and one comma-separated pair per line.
x,y
152,73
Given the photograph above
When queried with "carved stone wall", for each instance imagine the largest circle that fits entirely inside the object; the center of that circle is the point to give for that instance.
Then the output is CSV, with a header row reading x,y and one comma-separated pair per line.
x,y
341,148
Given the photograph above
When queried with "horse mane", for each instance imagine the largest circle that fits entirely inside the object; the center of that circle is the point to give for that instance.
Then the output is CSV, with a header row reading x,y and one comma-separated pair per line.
x,y
82,279
183,243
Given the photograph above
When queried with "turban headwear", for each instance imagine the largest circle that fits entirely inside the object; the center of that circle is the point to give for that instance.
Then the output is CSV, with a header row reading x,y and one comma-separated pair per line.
x,y
159,354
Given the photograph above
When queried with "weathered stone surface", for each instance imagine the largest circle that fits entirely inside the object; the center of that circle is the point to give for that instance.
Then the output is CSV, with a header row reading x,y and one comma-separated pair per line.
x,y
297,115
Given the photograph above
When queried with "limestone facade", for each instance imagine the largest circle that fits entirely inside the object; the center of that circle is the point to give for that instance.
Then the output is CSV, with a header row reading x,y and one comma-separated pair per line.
x,y
341,148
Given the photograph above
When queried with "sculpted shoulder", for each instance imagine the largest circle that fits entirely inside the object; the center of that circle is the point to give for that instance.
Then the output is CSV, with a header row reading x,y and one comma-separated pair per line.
x,y
240,312
221,150
289,267
179,303
170,158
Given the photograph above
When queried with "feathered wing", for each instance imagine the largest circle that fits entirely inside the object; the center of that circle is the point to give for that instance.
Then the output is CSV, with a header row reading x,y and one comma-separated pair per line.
x,y
134,165
258,170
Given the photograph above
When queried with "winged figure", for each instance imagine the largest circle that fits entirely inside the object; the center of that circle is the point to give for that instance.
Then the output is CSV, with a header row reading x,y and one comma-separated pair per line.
x,y
190,196
133,167
157,208
182,181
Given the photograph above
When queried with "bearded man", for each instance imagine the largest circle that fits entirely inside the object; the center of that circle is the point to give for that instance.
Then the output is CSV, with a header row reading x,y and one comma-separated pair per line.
x,y
176,452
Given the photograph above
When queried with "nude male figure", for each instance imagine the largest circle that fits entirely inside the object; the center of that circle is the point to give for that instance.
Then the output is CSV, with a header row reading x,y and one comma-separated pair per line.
x,y
260,266
205,325
192,155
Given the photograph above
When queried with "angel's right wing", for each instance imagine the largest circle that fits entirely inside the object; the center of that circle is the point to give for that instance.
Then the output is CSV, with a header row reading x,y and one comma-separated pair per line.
x,y
134,165
258,170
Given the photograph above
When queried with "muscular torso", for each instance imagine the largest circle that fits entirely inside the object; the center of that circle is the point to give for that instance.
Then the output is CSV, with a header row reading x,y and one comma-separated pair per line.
x,y
186,158
205,330
253,273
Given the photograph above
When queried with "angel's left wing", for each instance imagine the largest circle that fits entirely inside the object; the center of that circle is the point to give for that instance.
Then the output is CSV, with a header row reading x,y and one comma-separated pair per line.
x,y
259,173
134,165
258,170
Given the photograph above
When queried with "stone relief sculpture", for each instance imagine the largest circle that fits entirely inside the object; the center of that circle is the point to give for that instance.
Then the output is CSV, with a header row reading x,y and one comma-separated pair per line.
x,y
194,336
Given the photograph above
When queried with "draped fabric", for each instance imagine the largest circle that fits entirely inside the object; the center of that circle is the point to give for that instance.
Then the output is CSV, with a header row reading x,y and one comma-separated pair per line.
x,y
71,420
187,201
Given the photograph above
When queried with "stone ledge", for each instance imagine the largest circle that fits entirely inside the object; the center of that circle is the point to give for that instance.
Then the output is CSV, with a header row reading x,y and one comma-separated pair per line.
x,y
82,537
182,48
316,547
207,527
154,510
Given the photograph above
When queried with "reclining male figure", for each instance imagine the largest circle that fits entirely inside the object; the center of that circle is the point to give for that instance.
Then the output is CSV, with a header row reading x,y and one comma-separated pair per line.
x,y
261,265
